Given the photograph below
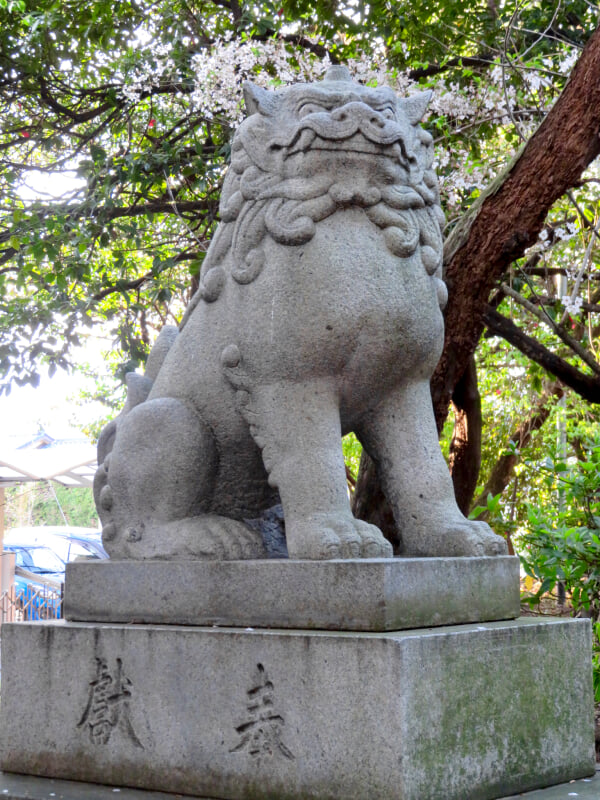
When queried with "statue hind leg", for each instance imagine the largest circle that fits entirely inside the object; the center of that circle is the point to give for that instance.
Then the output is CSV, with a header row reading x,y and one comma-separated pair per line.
x,y
157,467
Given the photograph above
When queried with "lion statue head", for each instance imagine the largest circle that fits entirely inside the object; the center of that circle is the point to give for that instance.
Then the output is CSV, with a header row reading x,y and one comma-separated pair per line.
x,y
306,151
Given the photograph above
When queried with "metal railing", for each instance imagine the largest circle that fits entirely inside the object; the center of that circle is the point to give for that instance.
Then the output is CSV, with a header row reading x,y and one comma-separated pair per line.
x,y
30,604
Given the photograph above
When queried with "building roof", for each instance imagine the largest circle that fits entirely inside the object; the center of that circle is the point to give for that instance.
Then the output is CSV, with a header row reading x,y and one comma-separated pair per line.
x,y
70,462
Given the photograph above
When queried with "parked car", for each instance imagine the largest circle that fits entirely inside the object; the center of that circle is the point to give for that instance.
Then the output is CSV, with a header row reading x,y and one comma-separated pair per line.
x,y
39,579
81,546
40,561
69,543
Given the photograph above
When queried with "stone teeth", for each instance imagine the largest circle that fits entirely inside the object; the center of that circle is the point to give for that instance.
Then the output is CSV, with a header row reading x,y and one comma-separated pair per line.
x,y
307,137
302,143
397,151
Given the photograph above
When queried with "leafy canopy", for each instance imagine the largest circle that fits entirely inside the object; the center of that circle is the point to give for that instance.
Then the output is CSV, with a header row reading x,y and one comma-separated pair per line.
x,y
116,119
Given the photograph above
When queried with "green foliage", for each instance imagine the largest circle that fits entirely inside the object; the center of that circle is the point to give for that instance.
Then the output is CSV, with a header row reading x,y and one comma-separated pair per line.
x,y
492,508
50,504
562,541
352,450
103,93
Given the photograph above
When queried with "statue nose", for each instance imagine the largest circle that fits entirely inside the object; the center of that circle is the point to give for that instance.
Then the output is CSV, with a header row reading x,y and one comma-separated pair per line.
x,y
359,112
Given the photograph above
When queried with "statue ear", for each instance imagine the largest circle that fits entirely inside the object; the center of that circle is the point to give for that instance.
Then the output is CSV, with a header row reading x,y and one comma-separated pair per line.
x,y
415,106
257,99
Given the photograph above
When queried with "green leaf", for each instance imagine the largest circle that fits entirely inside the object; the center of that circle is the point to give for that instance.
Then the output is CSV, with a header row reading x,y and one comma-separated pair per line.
x,y
97,152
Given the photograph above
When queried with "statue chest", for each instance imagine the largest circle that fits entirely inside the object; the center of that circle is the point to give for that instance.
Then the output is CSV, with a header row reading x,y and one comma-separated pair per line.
x,y
345,299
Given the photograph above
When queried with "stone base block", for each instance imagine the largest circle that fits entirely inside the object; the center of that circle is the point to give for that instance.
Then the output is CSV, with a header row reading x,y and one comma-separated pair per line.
x,y
470,712
368,595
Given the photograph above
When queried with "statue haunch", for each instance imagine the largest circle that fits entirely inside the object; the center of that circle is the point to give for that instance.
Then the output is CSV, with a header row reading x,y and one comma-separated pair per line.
x,y
318,313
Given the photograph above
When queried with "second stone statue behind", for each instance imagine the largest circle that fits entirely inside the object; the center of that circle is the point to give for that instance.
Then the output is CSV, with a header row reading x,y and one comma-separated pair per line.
x,y
319,312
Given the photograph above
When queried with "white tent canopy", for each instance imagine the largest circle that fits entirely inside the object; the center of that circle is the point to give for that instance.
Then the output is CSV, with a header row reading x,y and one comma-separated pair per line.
x,y
68,462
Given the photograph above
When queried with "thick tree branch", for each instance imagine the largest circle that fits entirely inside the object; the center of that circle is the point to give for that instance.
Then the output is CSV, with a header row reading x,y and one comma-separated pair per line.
x,y
300,41
509,216
153,207
483,60
504,469
123,286
78,117
108,214
586,386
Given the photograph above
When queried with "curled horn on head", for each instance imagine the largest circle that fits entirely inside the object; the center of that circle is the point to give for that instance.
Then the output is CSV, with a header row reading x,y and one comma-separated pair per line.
x,y
415,106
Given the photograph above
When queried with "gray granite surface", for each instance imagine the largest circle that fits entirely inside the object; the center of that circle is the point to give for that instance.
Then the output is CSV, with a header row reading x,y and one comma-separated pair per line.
x,y
319,312
465,712
26,787
368,595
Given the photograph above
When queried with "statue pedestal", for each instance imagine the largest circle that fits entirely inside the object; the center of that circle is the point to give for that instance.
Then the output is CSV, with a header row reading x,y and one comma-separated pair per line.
x,y
376,594
465,712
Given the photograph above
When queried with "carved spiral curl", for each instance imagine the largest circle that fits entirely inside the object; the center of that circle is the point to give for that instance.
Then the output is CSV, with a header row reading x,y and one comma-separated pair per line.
x,y
256,203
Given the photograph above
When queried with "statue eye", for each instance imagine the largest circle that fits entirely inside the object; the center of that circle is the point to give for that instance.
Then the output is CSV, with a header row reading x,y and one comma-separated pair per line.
x,y
388,113
310,108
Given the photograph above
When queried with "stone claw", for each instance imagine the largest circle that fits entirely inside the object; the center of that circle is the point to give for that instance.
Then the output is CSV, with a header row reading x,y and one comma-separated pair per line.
x,y
207,537
335,535
460,538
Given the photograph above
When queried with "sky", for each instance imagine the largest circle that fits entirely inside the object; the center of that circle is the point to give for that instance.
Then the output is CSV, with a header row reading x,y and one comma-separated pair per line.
x,y
50,405
55,404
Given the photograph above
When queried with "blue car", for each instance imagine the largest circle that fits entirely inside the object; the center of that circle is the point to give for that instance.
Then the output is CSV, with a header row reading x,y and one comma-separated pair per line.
x,y
69,543
39,580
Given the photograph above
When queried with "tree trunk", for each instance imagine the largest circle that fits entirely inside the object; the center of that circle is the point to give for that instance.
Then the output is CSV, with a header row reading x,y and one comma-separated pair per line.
x,y
504,468
505,220
370,503
465,448
508,217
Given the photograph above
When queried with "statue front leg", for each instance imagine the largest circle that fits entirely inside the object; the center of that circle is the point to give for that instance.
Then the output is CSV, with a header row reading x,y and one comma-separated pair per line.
x,y
401,437
297,427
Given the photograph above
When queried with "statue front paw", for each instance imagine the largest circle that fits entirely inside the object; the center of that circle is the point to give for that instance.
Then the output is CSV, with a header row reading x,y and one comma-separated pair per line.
x,y
331,535
454,538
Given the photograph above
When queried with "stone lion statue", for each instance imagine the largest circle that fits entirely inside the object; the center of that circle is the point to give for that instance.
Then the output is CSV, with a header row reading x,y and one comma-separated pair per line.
x,y
318,313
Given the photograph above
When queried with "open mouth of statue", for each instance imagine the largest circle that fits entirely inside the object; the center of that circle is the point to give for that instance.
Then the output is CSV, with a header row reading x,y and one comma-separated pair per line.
x,y
308,141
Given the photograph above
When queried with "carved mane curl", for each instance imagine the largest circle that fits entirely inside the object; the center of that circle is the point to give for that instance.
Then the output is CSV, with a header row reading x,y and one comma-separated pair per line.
x,y
258,201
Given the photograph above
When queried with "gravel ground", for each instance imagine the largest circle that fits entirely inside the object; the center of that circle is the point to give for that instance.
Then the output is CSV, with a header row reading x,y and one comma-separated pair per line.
x,y
23,787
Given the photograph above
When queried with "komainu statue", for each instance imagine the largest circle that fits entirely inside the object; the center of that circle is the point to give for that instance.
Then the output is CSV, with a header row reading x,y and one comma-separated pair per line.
x,y
318,313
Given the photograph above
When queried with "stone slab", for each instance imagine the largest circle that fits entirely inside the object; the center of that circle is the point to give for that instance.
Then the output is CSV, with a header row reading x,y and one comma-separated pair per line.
x,y
367,595
469,712
26,787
